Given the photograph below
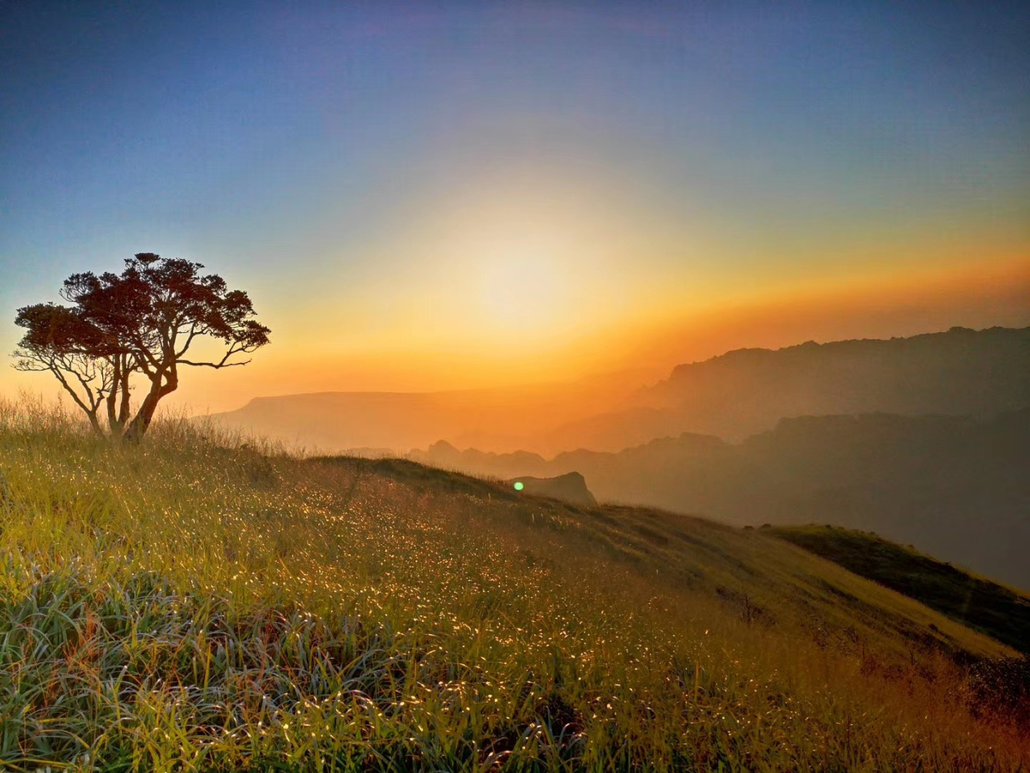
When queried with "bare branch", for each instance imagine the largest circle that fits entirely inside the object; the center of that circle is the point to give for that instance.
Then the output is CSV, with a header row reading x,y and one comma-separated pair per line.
x,y
215,365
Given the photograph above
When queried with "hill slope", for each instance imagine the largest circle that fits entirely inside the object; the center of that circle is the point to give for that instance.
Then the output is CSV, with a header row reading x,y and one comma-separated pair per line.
x,y
955,487
1001,613
183,605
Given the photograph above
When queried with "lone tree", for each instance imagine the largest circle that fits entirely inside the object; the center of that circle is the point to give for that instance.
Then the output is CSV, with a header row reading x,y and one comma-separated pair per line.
x,y
139,325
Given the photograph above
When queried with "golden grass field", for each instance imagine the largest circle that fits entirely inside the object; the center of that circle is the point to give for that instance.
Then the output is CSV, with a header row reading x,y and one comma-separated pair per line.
x,y
196,603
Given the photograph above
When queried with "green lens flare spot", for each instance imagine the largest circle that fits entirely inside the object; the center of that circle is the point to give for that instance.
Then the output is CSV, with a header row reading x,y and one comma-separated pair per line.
x,y
519,485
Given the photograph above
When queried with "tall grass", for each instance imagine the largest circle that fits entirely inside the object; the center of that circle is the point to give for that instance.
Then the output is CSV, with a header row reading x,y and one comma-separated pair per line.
x,y
198,603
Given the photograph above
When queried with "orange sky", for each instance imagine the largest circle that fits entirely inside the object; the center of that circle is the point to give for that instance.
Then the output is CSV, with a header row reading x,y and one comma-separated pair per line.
x,y
889,304
406,355
904,303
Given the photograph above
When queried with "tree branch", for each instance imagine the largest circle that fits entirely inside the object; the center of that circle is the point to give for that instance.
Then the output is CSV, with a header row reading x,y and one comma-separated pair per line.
x,y
215,365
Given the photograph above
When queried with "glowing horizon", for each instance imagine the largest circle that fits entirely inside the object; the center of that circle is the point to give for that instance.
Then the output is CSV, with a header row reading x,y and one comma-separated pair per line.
x,y
886,306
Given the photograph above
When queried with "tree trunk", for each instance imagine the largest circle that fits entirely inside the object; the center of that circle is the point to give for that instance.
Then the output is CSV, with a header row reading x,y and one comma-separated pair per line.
x,y
141,423
112,399
94,422
123,410
118,399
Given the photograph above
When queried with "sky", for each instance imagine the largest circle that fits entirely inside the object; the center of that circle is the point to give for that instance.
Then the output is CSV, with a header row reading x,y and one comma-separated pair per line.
x,y
444,195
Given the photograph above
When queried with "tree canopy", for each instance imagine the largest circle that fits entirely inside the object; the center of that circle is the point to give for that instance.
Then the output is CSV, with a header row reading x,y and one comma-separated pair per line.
x,y
140,325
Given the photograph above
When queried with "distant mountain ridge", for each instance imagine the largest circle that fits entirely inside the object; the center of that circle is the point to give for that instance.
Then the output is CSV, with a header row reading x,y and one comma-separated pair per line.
x,y
733,396
746,391
503,418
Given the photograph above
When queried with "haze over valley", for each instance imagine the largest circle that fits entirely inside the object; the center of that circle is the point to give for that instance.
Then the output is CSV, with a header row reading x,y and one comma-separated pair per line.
x,y
733,396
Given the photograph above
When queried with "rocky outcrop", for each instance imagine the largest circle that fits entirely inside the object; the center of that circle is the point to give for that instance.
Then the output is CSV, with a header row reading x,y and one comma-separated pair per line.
x,y
571,487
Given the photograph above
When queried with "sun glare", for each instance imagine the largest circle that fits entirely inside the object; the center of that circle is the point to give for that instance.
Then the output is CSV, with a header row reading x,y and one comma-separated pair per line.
x,y
522,291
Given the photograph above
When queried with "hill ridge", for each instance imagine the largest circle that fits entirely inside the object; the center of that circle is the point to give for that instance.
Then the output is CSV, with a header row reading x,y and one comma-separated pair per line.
x,y
953,485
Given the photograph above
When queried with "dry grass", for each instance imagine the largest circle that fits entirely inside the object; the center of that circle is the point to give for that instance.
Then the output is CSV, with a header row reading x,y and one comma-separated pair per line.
x,y
194,605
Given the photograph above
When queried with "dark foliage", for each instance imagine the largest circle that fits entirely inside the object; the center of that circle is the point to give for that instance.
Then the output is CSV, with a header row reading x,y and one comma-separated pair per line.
x,y
144,322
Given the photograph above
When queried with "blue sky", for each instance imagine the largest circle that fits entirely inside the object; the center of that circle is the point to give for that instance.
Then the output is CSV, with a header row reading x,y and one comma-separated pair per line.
x,y
306,150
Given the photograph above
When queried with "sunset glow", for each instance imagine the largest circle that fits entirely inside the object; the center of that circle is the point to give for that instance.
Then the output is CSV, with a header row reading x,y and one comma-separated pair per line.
x,y
525,194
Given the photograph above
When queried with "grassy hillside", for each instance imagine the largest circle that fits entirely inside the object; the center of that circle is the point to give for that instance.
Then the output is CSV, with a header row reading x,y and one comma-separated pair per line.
x,y
186,605
955,486
998,611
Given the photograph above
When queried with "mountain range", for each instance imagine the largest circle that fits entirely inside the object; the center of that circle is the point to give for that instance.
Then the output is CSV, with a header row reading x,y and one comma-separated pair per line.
x,y
733,396
746,391
377,423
